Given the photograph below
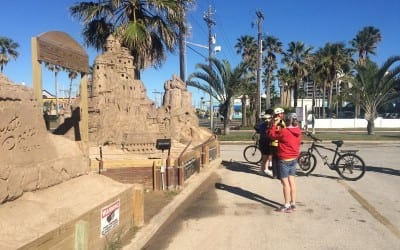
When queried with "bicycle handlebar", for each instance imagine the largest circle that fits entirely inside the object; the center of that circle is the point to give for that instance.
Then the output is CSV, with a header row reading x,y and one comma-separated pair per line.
x,y
312,136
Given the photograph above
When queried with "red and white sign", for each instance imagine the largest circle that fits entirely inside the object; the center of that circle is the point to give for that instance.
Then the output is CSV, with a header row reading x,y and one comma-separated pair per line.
x,y
109,217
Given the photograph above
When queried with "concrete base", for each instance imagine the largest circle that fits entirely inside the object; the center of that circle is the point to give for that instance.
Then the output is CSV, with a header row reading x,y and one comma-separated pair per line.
x,y
66,216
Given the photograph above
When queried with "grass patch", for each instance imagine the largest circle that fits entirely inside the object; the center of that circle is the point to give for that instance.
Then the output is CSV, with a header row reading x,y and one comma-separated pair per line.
x,y
346,135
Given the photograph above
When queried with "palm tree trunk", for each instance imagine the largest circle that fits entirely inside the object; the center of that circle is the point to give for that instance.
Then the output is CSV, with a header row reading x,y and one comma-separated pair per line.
x,y
323,100
69,93
227,115
330,100
371,127
244,115
56,90
268,92
295,93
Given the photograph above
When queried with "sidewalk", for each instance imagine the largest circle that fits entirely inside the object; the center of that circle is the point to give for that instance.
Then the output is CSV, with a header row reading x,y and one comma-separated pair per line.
x,y
191,186
146,232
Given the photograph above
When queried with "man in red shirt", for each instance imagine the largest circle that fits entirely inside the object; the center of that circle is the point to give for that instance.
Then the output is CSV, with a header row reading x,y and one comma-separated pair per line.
x,y
289,139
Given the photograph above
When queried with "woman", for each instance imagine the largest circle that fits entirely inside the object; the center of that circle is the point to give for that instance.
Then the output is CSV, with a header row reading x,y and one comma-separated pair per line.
x,y
289,139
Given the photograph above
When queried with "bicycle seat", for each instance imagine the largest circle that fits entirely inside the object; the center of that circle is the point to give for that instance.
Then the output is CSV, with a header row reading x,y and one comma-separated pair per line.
x,y
349,151
338,143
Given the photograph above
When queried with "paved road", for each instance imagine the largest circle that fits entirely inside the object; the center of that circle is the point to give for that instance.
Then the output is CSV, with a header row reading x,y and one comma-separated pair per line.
x,y
234,208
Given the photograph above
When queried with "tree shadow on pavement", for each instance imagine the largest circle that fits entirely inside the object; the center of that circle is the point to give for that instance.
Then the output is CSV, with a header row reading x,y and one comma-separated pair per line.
x,y
247,194
241,167
389,171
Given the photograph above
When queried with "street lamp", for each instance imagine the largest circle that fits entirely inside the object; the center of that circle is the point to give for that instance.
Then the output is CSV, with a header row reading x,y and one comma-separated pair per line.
x,y
211,50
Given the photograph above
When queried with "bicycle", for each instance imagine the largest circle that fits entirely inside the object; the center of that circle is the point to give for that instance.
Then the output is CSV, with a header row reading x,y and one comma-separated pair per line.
x,y
252,153
347,163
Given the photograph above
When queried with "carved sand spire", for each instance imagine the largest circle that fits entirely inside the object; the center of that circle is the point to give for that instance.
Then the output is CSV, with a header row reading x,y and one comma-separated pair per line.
x,y
121,114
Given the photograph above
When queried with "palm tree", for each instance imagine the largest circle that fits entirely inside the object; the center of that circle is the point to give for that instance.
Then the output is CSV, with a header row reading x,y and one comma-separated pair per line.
x,y
295,59
331,61
366,42
55,69
247,89
71,75
8,48
247,47
286,80
272,46
221,82
376,87
148,28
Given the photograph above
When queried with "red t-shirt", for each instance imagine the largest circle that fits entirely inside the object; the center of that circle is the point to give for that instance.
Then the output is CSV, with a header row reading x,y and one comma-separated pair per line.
x,y
289,141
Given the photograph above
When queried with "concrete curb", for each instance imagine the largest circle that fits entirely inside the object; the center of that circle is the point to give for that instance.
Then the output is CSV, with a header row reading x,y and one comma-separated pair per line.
x,y
309,142
149,230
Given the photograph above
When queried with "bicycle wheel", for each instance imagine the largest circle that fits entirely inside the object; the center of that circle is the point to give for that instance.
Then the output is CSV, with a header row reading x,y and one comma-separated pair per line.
x,y
252,154
350,166
307,162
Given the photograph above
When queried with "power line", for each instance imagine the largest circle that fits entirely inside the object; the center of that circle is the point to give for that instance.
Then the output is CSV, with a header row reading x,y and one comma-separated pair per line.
x,y
195,51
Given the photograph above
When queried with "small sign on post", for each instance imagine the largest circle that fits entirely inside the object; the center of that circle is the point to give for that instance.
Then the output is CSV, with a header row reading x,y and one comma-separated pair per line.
x,y
163,144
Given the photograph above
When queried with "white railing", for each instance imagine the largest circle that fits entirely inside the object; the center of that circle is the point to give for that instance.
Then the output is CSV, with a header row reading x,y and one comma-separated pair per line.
x,y
355,123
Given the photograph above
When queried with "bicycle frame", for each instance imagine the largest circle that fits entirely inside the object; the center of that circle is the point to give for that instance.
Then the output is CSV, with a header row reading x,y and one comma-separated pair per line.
x,y
314,147
347,163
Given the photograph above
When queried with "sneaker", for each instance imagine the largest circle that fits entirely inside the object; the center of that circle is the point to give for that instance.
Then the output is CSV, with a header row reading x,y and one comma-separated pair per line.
x,y
284,209
268,172
293,207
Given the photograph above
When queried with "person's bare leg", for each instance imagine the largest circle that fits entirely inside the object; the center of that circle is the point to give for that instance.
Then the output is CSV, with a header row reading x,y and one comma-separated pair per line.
x,y
269,162
286,190
263,163
292,185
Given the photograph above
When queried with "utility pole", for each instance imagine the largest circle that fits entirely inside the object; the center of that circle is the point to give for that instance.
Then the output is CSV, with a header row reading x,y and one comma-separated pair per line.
x,y
182,50
210,22
260,16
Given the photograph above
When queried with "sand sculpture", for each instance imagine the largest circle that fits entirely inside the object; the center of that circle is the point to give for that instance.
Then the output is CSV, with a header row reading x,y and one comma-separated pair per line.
x,y
30,157
122,117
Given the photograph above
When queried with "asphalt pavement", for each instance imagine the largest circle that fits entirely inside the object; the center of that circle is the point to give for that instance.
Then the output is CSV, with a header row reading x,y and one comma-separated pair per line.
x,y
231,206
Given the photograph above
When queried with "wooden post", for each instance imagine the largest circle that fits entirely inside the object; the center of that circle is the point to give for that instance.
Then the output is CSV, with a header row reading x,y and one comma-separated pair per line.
x,y
81,235
36,72
84,109
207,154
138,205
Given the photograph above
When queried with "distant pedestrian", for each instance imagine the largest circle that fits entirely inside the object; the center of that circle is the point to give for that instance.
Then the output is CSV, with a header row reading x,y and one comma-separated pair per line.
x,y
289,139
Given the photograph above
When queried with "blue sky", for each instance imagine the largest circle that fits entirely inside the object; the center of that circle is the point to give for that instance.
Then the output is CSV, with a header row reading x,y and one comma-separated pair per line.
x,y
315,22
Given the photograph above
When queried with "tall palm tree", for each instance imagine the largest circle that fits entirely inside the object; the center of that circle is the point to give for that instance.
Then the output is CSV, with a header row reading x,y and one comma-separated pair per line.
x,y
295,59
331,60
376,87
148,28
272,47
247,47
221,82
286,81
246,90
8,48
55,69
366,42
